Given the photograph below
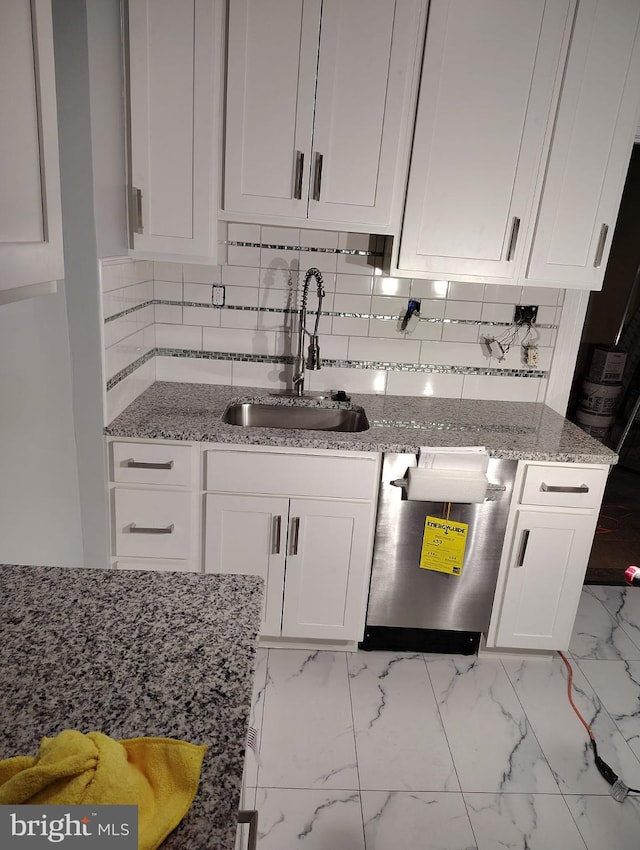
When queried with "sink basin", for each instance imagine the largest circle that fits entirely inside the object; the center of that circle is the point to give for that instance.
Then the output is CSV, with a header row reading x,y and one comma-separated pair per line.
x,y
254,415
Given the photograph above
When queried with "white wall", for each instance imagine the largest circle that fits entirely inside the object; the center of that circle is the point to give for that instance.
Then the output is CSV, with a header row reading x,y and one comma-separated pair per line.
x,y
39,496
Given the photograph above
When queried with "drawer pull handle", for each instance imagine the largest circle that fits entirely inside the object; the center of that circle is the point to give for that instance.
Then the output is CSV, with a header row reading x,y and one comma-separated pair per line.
x,y
141,529
560,488
523,548
275,534
139,464
295,533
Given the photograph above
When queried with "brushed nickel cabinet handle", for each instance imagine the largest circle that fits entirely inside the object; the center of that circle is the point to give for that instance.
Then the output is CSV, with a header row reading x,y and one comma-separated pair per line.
x,y
139,464
140,529
136,210
515,228
297,180
604,230
276,530
317,176
295,533
523,548
558,488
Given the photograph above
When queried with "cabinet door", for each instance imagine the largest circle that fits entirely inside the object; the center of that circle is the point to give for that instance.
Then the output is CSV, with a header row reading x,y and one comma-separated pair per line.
x,y
328,567
591,145
486,93
174,51
246,535
271,78
368,49
30,216
549,557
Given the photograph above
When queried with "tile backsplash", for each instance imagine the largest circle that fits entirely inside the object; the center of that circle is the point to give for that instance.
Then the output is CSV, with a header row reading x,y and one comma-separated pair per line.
x,y
159,322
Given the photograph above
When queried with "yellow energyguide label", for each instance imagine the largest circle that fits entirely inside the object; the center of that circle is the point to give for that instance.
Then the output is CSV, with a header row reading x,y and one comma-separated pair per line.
x,y
443,545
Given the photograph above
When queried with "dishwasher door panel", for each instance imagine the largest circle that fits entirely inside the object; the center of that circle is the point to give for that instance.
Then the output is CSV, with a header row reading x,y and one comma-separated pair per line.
x,y
402,594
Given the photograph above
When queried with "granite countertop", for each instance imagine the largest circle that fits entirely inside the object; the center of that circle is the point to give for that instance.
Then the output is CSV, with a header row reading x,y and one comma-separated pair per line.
x,y
511,430
132,653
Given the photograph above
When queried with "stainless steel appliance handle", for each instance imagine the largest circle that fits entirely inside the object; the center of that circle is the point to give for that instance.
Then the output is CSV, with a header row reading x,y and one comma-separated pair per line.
x,y
295,533
560,488
515,227
297,180
140,529
317,176
139,464
276,529
604,230
523,547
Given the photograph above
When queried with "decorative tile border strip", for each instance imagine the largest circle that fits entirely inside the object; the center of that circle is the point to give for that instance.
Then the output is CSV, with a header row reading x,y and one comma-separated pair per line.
x,y
332,313
349,251
285,359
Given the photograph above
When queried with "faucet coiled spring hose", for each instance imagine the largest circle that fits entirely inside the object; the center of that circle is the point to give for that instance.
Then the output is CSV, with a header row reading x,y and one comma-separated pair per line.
x,y
313,272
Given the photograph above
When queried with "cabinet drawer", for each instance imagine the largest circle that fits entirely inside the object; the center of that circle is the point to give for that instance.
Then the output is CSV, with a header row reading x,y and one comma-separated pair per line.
x,y
290,475
563,486
152,463
152,524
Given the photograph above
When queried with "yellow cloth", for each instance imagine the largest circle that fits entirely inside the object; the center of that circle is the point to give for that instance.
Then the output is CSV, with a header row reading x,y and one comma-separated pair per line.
x,y
159,775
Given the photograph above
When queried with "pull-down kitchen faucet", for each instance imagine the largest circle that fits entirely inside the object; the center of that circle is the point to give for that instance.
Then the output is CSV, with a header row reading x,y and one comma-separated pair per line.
x,y
313,354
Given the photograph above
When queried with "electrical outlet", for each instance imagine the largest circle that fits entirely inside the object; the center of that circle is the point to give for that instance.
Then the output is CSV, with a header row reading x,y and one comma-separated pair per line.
x,y
525,315
217,295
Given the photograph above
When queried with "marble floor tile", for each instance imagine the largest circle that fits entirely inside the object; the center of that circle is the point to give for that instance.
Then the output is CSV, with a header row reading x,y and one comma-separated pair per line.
x,y
492,743
623,603
541,686
415,821
605,824
597,634
400,741
618,685
311,819
251,760
307,727
517,821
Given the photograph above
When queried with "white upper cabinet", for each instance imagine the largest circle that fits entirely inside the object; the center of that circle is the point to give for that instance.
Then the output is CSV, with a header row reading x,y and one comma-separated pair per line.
x,y
591,145
487,86
319,110
30,215
175,56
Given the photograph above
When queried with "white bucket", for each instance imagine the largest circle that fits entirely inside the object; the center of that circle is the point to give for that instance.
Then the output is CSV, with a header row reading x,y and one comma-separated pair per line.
x,y
595,424
599,398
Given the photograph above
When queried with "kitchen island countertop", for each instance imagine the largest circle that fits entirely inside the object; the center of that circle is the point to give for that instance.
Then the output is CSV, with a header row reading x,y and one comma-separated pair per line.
x,y
510,430
130,654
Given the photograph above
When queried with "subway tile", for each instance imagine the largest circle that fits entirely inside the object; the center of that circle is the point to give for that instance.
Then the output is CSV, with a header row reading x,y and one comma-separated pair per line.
x,y
192,370
424,384
238,255
239,341
354,264
333,347
459,291
319,238
142,270
350,327
274,321
502,293
274,258
279,279
179,336
428,331
167,271
198,273
355,284
145,317
388,328
387,350
204,316
382,305
429,288
280,236
430,309
245,374
351,380
452,354
168,314
199,292
167,291
542,390
281,298
354,241
120,329
242,296
125,352
383,285
325,262
239,319
243,232
548,315
497,388
110,276
127,390
463,309
540,295
452,332
352,304
497,312
240,276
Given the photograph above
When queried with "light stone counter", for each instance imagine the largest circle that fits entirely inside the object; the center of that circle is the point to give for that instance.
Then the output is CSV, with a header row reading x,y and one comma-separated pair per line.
x,y
512,430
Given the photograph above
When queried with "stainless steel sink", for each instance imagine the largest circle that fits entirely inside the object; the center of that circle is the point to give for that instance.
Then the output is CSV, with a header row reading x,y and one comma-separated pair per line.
x,y
254,415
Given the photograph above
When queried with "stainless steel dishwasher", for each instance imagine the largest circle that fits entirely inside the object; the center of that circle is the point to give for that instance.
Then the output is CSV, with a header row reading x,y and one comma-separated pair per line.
x,y
421,610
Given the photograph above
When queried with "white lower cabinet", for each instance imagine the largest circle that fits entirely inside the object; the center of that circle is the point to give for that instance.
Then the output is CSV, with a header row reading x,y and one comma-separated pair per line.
x,y
549,535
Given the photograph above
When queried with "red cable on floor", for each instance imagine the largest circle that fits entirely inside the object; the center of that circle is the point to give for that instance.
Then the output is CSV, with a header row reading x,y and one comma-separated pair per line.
x,y
570,695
